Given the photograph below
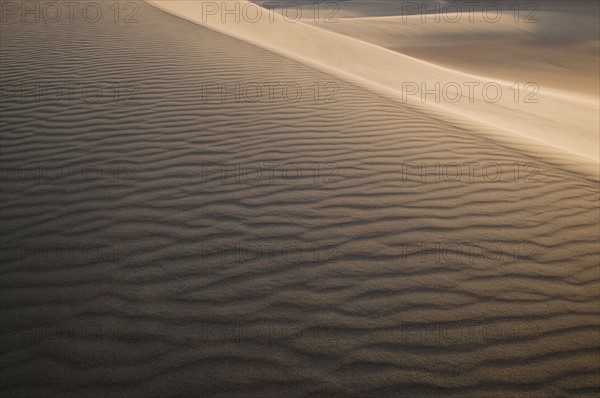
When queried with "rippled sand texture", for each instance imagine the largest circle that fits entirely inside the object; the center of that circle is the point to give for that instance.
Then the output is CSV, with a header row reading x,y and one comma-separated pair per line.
x,y
370,280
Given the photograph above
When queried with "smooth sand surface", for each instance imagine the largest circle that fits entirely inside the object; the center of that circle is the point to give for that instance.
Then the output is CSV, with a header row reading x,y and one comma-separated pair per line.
x,y
521,61
382,8
378,275
559,51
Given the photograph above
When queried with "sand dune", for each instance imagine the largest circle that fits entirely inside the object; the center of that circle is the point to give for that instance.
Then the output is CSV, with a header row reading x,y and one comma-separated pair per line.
x,y
552,43
142,255
560,51
383,8
567,122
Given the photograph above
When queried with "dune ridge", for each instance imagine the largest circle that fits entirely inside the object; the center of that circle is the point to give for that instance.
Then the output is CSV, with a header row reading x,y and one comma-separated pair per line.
x,y
564,121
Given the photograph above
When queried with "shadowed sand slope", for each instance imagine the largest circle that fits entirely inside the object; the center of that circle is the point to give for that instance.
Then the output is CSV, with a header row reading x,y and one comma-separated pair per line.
x,y
168,238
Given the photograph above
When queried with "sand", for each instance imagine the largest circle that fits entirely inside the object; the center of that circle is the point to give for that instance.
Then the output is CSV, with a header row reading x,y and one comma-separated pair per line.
x,y
560,51
537,113
167,239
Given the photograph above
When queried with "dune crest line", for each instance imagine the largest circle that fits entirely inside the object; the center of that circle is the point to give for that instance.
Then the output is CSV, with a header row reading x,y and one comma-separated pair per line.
x,y
564,122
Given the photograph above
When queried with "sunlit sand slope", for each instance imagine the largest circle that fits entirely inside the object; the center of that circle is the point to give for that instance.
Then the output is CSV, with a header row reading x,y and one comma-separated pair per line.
x,y
554,49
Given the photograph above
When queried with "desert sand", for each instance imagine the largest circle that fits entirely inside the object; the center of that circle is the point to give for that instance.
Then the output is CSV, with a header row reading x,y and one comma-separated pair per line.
x,y
171,237
557,49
